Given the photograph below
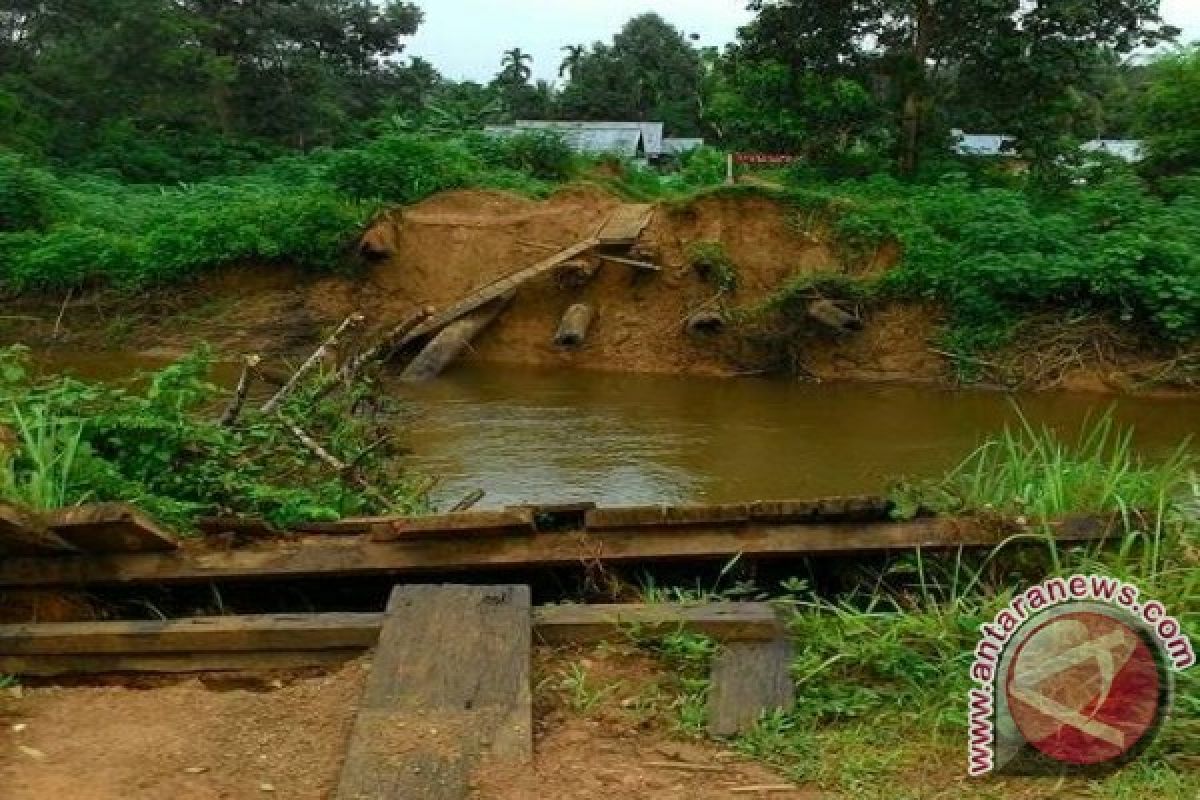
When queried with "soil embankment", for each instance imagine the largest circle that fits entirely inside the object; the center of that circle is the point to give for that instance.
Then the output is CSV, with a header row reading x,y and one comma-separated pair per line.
x,y
435,253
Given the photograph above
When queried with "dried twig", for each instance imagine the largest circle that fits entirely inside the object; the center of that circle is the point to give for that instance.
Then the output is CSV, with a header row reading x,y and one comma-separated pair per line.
x,y
345,471
380,351
685,766
62,313
315,359
239,395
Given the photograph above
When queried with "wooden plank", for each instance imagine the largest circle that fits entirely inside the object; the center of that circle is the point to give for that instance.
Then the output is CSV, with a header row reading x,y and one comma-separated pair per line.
x,y
110,528
626,224
494,290
42,665
318,557
632,262
590,624
860,507
603,519
56,648
254,633
748,680
449,685
464,523
23,535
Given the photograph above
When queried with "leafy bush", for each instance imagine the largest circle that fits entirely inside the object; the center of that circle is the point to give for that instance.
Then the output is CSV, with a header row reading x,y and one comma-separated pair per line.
x,y
713,263
542,154
403,168
160,447
994,255
29,197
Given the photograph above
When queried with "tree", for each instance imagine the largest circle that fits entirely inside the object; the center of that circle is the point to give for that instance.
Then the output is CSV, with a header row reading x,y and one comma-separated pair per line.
x,y
1168,115
1015,52
515,67
177,75
651,71
572,60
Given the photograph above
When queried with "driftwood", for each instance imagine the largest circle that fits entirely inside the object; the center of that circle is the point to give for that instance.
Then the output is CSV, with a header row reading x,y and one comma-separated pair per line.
x,y
573,330
831,315
469,501
234,410
705,323
380,351
453,340
345,471
352,321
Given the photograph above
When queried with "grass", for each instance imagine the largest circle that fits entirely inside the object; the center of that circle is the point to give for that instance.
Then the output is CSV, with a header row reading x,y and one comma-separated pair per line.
x,y
881,669
50,446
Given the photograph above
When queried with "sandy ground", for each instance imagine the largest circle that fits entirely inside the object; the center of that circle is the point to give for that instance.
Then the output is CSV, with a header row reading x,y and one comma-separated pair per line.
x,y
210,737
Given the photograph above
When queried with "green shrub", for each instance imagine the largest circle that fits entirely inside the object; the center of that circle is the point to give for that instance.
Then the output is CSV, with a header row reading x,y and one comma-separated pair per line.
x,y
713,263
29,197
544,155
403,168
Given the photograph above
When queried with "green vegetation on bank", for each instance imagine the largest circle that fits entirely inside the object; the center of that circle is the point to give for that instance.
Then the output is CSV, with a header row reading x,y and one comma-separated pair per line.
x,y
882,667
158,443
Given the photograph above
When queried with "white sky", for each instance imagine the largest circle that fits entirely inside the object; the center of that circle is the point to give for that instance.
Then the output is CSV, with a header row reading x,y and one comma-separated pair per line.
x,y
464,39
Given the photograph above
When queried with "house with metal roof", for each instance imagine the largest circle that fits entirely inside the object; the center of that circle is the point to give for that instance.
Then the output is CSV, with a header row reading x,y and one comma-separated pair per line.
x,y
995,145
626,139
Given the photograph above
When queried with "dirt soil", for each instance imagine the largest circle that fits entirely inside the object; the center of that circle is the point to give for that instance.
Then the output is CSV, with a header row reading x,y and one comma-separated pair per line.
x,y
210,737
458,241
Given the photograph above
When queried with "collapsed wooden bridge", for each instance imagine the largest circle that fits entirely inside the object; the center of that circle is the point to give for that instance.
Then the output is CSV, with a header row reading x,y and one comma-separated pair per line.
x,y
114,545
449,687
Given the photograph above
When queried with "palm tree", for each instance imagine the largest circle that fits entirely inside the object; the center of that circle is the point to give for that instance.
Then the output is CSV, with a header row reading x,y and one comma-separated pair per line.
x,y
515,65
572,60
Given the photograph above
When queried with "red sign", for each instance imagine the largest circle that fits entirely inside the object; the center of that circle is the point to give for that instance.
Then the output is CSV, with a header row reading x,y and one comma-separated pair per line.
x,y
764,158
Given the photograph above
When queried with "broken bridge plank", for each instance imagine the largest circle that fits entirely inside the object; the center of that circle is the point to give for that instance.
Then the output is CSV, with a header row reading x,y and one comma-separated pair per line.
x,y
626,224
449,685
110,528
324,557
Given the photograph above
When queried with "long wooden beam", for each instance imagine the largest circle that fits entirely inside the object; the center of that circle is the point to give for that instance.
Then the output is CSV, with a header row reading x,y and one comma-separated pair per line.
x,y
311,640
312,557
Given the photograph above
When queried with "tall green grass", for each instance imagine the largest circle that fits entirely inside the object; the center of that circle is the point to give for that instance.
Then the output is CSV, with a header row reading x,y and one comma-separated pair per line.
x,y
42,473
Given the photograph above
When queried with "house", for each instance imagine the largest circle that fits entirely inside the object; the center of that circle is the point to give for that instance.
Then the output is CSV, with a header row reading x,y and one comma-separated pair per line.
x,y
996,145
636,140
677,147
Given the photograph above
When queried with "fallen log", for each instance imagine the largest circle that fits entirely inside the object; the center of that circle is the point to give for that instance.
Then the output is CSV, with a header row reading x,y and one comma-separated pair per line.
x,y
379,242
573,330
453,340
833,316
705,323
380,351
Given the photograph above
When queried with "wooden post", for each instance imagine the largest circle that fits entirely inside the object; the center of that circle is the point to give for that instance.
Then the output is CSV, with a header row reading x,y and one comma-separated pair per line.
x,y
573,330
449,685
730,180
748,680
452,341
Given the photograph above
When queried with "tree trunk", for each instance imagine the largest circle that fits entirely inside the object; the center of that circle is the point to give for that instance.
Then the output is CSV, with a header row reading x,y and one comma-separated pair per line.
x,y
452,341
573,330
914,97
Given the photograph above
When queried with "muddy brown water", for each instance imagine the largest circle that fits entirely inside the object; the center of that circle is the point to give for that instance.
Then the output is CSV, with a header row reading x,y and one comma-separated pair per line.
x,y
539,435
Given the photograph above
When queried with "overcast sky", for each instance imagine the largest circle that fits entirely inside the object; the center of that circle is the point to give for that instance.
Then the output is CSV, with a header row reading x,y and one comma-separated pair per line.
x,y
465,38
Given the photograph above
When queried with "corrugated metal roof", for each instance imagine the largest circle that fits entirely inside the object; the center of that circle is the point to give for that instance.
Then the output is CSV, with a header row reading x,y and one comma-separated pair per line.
x,y
652,132
1130,150
983,144
623,141
674,147
999,144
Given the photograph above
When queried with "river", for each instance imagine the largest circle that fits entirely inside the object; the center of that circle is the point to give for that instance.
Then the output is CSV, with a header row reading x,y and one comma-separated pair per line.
x,y
527,435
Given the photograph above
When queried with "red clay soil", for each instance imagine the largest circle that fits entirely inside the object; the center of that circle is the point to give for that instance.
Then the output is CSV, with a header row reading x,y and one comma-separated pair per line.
x,y
204,738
